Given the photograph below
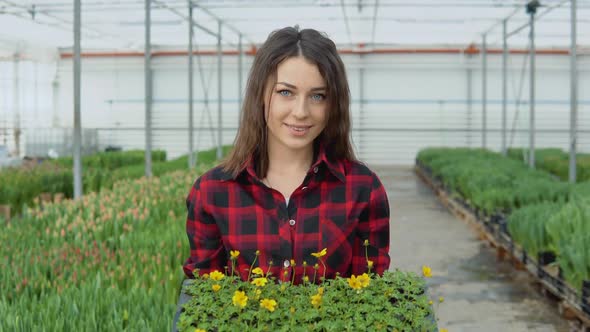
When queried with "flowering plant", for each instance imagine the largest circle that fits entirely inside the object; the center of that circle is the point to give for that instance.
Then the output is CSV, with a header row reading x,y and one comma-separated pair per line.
x,y
393,301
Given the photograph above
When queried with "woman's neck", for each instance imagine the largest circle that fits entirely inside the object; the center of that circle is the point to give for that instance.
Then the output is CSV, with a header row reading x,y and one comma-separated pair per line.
x,y
285,161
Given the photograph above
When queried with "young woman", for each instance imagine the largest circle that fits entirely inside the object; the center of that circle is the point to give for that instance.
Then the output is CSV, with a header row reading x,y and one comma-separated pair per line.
x,y
291,186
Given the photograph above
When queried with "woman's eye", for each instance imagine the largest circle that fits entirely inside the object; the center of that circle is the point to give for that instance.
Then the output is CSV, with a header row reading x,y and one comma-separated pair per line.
x,y
285,93
318,97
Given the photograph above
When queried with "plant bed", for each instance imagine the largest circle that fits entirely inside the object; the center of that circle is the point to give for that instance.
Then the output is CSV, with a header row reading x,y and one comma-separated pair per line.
x,y
555,161
5,212
37,183
394,301
533,256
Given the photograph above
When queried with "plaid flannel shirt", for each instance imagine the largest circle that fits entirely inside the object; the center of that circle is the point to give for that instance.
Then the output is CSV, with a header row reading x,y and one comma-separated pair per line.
x,y
338,206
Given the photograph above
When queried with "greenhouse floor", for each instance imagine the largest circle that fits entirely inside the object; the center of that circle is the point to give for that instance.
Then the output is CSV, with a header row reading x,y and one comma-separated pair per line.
x,y
480,293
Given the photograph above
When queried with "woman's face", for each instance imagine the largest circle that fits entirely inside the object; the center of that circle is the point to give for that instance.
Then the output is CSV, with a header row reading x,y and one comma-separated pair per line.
x,y
298,109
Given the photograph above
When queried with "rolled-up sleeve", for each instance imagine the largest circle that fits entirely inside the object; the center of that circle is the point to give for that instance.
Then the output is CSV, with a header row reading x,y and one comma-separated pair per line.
x,y
374,229
206,248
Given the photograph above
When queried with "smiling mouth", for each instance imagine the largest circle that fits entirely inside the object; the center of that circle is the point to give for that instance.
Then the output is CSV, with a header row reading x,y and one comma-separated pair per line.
x,y
298,128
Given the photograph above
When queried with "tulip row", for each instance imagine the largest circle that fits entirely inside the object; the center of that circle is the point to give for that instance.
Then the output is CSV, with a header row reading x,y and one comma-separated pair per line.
x,y
109,261
21,186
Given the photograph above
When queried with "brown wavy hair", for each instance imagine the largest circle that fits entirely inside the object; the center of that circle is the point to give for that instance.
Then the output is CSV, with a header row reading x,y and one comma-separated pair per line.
x,y
251,139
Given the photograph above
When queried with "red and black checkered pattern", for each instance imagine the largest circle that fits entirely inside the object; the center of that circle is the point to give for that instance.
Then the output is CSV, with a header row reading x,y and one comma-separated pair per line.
x,y
338,206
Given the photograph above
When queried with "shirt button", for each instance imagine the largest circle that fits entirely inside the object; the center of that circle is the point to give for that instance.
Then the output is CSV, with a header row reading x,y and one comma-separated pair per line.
x,y
292,222
315,169
286,263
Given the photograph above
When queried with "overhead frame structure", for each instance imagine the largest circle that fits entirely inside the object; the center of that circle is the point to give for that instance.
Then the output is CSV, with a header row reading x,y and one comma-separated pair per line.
x,y
112,24
191,155
573,93
360,26
148,89
77,102
531,9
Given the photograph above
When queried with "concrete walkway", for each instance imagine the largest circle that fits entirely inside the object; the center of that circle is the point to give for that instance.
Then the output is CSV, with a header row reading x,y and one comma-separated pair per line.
x,y
480,293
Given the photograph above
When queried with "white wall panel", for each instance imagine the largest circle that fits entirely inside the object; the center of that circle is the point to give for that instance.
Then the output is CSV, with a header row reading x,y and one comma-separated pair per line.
x,y
410,101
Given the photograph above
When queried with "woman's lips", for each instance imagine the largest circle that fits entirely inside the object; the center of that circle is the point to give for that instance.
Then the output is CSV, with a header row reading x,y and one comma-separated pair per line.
x,y
298,130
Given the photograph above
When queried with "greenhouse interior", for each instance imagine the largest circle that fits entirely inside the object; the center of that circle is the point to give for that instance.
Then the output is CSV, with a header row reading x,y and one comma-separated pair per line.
x,y
468,119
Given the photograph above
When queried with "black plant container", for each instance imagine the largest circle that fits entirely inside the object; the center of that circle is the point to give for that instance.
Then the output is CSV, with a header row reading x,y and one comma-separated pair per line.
x,y
495,218
503,225
586,296
560,281
544,258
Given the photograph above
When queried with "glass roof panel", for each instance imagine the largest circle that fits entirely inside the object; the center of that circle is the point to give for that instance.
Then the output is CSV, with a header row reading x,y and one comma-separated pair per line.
x,y
119,24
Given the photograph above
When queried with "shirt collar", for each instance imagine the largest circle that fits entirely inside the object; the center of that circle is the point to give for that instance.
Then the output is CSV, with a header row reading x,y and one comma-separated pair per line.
x,y
247,167
335,167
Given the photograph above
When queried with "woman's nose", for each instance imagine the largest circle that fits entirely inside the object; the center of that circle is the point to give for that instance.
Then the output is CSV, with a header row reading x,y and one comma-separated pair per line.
x,y
300,109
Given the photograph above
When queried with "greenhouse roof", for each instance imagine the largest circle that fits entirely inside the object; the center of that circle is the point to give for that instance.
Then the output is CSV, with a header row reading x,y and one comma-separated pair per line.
x,y
119,24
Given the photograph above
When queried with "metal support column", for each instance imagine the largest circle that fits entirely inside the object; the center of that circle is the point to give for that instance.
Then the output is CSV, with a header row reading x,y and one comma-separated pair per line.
x,y
36,92
504,85
531,10
77,120
16,104
484,92
191,152
469,102
148,90
219,94
55,105
4,93
573,94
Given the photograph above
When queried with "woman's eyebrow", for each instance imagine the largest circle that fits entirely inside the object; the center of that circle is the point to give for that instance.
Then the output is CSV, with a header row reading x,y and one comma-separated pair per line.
x,y
294,87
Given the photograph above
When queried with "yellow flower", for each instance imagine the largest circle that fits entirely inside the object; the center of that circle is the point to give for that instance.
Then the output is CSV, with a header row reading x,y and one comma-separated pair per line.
x,y
441,299
240,299
306,279
364,279
426,271
316,300
321,253
216,287
257,252
430,302
268,304
200,330
205,276
321,290
292,310
366,243
260,282
258,271
370,264
234,254
216,275
354,282
292,262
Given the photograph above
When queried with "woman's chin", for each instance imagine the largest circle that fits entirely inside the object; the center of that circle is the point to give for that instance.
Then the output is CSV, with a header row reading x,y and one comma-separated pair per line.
x,y
297,144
